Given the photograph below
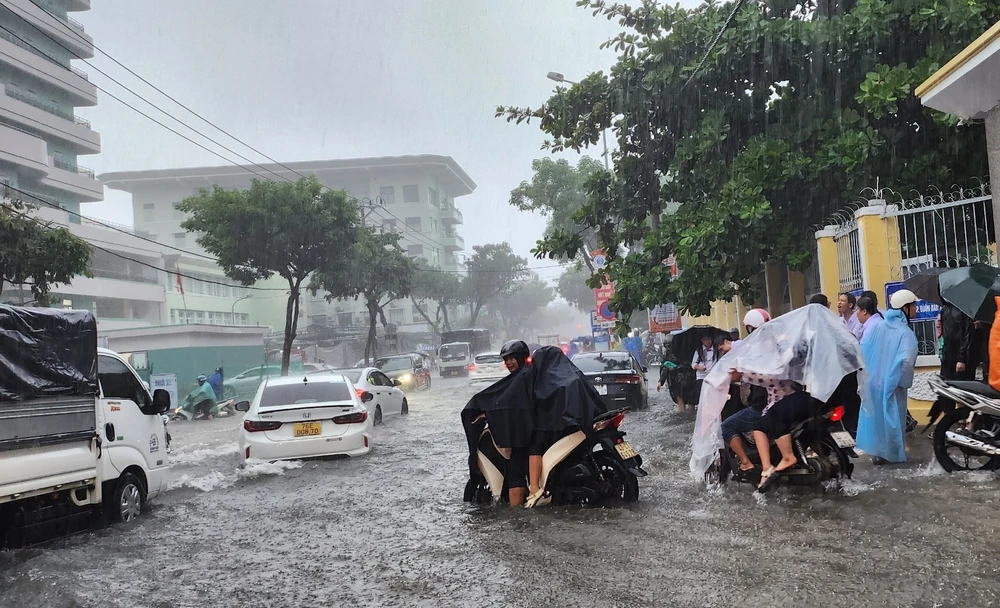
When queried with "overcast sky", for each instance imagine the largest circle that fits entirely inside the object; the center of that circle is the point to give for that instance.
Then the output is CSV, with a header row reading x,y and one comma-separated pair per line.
x,y
322,79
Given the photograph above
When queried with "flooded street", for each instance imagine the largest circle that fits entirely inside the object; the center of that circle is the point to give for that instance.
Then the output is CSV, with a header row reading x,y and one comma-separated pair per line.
x,y
391,529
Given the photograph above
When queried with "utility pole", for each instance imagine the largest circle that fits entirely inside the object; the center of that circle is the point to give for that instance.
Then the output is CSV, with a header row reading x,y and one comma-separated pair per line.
x,y
367,205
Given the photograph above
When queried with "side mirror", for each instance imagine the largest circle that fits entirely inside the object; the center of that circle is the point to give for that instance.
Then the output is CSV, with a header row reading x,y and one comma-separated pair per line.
x,y
397,382
161,401
243,406
366,397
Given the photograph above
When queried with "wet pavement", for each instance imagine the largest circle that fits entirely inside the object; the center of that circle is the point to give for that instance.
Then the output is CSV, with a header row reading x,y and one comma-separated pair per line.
x,y
390,529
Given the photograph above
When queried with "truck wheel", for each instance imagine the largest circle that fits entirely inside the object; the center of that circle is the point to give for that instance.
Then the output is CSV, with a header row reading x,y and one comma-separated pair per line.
x,y
127,501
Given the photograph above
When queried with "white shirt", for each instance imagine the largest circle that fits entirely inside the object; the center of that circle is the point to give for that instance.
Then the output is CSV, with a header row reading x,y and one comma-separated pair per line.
x,y
708,362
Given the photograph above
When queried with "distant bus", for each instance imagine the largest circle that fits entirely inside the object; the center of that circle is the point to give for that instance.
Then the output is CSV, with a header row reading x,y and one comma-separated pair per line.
x,y
478,338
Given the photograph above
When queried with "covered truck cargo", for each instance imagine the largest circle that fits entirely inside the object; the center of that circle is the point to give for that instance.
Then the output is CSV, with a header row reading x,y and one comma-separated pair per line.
x,y
48,376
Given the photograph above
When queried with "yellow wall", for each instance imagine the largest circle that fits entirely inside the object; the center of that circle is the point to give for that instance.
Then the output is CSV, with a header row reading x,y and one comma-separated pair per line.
x,y
826,260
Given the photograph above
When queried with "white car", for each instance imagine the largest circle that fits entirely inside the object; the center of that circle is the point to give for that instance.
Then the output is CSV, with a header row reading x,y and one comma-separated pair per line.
x,y
295,417
390,400
488,365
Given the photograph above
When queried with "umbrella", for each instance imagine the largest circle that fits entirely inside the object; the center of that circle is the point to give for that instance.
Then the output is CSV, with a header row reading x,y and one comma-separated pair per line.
x,y
687,341
971,289
925,284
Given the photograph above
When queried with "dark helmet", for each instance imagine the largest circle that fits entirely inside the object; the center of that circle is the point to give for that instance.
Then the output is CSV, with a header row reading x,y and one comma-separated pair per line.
x,y
517,349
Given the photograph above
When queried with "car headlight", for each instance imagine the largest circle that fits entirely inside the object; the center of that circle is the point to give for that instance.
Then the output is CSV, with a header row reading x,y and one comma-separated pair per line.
x,y
406,377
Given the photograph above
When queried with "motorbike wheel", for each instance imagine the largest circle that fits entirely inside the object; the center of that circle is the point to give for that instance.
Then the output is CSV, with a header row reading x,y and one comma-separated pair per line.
x,y
718,473
957,458
624,485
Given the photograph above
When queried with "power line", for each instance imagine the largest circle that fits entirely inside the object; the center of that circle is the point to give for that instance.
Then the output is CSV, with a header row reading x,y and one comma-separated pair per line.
x,y
725,26
151,104
170,97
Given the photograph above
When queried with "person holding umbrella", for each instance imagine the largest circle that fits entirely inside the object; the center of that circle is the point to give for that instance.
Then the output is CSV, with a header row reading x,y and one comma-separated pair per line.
x,y
890,352
956,332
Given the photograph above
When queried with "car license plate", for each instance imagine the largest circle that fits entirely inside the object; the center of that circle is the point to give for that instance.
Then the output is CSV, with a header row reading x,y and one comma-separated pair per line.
x,y
843,439
305,429
602,389
625,450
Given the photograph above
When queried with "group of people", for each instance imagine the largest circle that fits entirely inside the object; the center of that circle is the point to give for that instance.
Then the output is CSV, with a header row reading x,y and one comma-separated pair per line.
x,y
204,399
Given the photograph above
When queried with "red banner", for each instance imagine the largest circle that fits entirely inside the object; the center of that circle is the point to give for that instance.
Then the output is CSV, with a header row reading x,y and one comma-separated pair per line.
x,y
602,295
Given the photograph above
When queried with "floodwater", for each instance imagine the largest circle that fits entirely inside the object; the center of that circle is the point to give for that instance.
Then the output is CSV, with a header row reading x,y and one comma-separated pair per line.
x,y
390,529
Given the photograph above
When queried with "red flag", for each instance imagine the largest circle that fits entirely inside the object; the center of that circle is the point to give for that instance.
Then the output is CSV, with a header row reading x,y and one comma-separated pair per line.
x,y
180,284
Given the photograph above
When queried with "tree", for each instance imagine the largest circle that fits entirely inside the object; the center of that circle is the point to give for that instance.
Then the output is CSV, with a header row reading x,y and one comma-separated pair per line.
x,y
799,107
37,254
493,271
434,292
573,288
518,310
291,229
375,269
557,191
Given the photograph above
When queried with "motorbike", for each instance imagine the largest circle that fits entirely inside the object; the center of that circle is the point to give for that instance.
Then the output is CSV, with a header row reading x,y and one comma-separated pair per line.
x,y
226,408
823,446
968,437
577,469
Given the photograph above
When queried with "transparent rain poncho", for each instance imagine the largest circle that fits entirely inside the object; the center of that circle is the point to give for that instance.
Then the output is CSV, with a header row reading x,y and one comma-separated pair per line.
x,y
810,346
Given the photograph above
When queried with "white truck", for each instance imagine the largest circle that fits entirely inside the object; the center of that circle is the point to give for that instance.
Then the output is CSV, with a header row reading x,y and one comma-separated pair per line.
x,y
81,439
548,339
455,359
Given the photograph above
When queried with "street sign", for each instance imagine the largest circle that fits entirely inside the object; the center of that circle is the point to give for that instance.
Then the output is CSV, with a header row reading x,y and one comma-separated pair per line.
x,y
602,296
926,311
600,260
599,324
664,318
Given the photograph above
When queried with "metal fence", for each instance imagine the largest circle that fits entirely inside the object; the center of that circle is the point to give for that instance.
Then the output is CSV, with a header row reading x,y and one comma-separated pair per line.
x,y
848,252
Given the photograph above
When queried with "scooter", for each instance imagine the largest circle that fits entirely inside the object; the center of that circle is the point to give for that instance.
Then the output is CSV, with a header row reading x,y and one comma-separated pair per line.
x,y
226,408
823,448
968,437
577,469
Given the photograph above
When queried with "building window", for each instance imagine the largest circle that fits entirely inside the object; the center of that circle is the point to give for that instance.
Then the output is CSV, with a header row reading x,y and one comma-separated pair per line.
x,y
413,224
388,194
388,225
415,251
434,197
178,214
411,194
396,316
416,312
149,212
180,239
345,319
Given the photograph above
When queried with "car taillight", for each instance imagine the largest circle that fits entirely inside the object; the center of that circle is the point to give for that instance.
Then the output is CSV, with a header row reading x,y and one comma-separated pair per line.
x,y
359,392
255,426
472,367
354,418
629,380
836,414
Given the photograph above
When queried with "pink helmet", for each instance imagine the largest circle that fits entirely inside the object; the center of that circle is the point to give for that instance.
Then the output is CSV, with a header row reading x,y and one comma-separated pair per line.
x,y
756,317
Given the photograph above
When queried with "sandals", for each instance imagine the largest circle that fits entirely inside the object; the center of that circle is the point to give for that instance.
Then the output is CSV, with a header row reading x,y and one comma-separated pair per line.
x,y
767,479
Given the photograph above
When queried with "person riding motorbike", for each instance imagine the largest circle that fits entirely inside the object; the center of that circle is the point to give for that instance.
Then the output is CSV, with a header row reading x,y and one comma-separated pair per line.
x,y
523,465
217,383
754,397
202,400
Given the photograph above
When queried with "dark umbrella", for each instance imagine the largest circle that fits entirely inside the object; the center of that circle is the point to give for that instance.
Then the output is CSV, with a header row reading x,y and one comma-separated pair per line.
x,y
685,343
532,347
971,289
925,284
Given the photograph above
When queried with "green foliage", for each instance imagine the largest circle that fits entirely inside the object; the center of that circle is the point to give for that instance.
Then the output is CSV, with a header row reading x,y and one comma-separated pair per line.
x,y
518,310
799,107
494,271
37,254
289,228
434,292
374,268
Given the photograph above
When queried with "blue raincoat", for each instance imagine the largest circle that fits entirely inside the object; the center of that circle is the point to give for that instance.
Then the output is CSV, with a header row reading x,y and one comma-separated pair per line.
x,y
890,352
633,344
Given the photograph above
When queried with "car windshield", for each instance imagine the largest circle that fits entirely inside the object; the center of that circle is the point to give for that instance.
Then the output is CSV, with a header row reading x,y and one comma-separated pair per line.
x,y
603,363
304,393
394,364
489,359
455,350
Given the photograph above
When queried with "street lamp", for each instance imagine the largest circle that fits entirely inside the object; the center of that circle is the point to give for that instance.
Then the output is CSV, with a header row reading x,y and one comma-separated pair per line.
x,y
232,313
557,77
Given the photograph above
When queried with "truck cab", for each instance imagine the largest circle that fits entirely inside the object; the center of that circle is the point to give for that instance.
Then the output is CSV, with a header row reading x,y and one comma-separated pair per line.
x,y
455,359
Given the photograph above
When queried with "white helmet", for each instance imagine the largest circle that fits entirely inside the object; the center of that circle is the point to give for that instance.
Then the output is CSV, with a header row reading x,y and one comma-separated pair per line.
x,y
901,298
756,317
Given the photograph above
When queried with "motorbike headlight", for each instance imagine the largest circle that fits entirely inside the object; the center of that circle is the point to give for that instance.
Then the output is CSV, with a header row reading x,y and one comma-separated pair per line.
x,y
406,377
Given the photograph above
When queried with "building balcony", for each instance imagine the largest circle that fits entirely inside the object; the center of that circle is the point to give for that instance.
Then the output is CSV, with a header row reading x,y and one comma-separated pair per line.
x,y
24,150
78,5
450,215
72,178
453,242
67,30
47,121
101,287
24,58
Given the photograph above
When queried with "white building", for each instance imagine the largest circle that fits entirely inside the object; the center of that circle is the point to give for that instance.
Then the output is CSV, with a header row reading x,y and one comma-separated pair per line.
x,y
40,141
418,195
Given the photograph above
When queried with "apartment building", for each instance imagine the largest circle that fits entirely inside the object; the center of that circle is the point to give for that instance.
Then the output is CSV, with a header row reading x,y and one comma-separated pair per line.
x,y
411,195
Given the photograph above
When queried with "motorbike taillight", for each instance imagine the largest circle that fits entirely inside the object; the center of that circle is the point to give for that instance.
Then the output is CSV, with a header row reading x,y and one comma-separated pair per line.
x,y
836,414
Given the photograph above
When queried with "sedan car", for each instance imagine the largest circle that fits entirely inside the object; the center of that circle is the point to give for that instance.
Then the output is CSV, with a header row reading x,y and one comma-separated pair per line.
x,y
245,384
488,365
389,399
617,377
409,369
294,417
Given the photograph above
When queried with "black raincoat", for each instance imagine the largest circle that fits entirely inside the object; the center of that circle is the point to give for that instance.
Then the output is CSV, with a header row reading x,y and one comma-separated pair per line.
x,y
550,395
957,331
